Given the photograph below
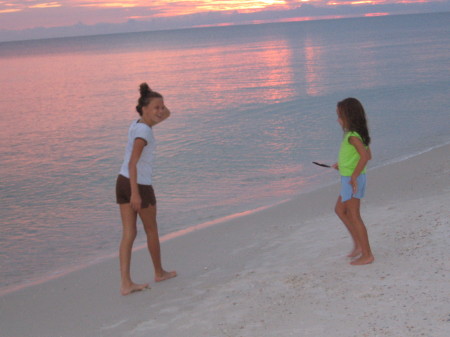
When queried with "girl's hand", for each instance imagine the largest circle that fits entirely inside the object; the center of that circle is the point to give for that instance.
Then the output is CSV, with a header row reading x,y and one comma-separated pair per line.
x,y
165,114
135,202
354,184
335,166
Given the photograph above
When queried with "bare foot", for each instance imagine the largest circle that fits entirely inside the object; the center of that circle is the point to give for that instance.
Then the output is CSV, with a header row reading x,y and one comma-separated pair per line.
x,y
165,276
355,252
363,260
133,288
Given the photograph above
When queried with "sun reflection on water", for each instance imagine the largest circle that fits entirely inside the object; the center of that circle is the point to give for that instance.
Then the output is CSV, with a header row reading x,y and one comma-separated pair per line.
x,y
251,108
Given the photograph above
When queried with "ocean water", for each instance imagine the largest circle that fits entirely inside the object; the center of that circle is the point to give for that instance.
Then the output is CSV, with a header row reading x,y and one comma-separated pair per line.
x,y
252,107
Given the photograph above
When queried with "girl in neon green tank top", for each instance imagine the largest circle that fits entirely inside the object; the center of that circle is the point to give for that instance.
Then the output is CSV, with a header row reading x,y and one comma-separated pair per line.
x,y
353,157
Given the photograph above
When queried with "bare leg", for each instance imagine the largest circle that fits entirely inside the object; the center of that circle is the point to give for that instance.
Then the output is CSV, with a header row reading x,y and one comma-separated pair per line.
x,y
342,212
361,232
126,245
148,217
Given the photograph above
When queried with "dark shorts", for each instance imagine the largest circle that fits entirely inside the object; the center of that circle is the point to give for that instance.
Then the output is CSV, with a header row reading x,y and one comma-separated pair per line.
x,y
123,192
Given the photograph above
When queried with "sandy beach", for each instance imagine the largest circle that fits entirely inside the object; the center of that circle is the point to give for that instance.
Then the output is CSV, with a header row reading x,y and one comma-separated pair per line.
x,y
281,271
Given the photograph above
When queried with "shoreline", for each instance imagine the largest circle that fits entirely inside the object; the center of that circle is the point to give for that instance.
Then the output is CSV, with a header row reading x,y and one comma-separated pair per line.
x,y
193,228
278,271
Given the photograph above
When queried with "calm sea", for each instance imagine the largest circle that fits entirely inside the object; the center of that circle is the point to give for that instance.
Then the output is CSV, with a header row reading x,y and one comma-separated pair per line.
x,y
252,107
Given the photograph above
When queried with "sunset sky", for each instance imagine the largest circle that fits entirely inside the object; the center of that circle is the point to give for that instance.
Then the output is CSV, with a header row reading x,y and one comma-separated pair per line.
x,y
19,15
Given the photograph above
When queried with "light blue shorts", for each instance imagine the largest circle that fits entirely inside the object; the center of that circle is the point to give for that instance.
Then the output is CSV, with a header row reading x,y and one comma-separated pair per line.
x,y
347,191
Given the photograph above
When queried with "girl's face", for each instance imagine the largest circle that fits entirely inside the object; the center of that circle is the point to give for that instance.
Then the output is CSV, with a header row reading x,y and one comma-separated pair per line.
x,y
153,112
339,119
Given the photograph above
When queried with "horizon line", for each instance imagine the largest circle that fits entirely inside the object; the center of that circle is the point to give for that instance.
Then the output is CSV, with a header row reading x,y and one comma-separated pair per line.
x,y
217,25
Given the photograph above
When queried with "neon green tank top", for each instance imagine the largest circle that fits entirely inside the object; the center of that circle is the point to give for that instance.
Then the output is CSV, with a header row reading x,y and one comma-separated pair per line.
x,y
348,156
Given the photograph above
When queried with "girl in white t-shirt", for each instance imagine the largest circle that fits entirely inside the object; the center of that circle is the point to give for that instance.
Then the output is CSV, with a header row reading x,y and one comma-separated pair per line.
x,y
134,191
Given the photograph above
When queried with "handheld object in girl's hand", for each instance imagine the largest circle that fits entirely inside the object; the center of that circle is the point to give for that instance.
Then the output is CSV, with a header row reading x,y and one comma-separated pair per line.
x,y
320,164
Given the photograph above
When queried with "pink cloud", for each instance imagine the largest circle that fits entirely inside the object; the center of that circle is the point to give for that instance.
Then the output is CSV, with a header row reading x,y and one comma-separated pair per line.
x,y
26,14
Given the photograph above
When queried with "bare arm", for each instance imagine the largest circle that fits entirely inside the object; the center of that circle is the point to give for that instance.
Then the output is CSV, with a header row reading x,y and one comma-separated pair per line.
x,y
138,147
365,155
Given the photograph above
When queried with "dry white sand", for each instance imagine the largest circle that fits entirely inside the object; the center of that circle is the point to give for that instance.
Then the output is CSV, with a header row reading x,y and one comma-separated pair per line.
x,y
278,272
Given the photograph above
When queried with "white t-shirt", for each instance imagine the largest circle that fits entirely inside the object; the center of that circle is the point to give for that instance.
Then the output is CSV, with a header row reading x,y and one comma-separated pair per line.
x,y
144,165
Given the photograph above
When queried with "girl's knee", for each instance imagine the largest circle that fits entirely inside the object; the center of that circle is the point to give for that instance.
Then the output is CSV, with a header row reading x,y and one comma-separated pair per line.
x,y
129,235
151,231
339,210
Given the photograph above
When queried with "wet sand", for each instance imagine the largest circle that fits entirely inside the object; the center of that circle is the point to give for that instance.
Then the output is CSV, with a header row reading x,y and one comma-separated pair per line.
x,y
281,271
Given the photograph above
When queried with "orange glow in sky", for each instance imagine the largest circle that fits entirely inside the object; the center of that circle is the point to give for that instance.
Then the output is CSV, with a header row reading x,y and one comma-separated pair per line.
x,y
22,14
160,7
46,5
177,7
110,4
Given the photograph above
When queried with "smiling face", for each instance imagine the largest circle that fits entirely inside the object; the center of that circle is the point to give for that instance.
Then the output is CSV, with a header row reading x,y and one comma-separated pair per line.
x,y
153,112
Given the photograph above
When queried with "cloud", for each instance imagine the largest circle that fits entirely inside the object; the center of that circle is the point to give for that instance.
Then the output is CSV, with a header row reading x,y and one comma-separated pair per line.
x,y
46,5
10,10
117,19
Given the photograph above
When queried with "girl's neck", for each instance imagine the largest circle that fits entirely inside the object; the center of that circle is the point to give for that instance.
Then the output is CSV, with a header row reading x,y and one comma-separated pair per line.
x,y
149,124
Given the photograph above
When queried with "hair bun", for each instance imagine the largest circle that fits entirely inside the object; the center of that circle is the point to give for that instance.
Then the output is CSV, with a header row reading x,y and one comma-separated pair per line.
x,y
147,95
144,89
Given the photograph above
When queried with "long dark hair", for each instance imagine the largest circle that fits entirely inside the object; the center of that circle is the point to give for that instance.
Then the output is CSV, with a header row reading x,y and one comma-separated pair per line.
x,y
352,113
147,95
